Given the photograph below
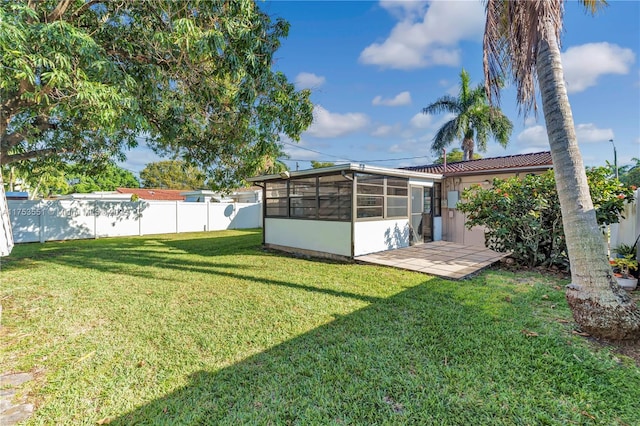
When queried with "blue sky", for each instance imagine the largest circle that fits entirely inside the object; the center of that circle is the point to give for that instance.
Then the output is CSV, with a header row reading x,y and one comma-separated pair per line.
x,y
373,66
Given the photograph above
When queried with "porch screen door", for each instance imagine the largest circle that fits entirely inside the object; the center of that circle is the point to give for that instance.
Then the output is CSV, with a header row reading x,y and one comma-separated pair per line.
x,y
421,215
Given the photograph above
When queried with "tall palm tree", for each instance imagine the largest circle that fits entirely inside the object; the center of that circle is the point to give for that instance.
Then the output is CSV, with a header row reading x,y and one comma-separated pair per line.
x,y
473,119
522,42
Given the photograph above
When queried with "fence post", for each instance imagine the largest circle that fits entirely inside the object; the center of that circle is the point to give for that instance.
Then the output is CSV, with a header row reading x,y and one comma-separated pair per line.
x,y
139,218
177,218
95,219
43,220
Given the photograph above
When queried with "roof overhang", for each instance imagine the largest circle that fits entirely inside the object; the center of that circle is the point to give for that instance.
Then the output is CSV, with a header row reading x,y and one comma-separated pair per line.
x,y
525,169
349,167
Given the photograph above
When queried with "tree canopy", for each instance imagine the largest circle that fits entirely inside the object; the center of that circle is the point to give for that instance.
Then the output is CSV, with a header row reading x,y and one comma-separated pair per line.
x,y
46,178
630,174
455,155
172,174
108,178
473,118
321,164
83,81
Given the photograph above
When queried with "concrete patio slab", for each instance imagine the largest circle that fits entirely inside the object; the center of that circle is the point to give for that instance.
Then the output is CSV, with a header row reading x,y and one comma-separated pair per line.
x,y
440,258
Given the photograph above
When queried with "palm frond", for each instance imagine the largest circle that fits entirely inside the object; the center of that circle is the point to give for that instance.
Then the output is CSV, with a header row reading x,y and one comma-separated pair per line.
x,y
447,134
512,35
442,105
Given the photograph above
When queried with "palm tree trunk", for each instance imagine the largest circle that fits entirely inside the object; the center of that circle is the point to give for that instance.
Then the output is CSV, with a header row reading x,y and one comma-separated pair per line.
x,y
467,148
598,304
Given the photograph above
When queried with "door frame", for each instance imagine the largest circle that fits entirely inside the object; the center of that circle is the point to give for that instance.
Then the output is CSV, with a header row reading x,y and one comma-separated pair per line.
x,y
417,237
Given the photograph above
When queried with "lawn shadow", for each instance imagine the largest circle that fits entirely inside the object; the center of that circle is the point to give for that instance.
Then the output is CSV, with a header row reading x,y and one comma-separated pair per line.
x,y
396,361
130,255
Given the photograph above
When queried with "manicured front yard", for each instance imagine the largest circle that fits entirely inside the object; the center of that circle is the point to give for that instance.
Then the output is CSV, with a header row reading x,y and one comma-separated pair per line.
x,y
209,328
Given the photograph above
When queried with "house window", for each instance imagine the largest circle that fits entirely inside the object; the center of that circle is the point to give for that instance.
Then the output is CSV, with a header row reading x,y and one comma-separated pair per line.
x,y
276,200
437,199
334,198
324,197
303,198
382,197
397,197
370,196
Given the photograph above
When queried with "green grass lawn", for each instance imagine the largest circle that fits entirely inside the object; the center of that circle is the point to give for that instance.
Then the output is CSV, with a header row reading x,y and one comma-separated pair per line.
x,y
208,328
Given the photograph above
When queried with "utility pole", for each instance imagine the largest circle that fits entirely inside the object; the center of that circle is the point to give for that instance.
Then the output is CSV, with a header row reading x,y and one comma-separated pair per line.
x,y
615,157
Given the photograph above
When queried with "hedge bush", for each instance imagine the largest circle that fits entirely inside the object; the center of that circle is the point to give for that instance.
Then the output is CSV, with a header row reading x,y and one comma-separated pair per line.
x,y
522,215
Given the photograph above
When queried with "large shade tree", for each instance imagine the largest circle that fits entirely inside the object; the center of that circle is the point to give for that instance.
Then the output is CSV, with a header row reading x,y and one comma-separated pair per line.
x,y
474,120
522,43
172,174
82,81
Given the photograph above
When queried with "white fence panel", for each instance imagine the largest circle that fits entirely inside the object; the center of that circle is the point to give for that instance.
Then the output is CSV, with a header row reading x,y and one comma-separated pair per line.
x,y
47,220
67,220
118,219
628,229
26,220
247,216
193,217
158,217
220,216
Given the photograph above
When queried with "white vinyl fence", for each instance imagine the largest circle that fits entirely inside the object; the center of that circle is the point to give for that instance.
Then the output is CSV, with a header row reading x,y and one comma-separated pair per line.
x,y
628,230
47,220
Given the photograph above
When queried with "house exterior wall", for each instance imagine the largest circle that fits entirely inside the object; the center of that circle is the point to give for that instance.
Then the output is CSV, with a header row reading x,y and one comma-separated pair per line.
x,y
310,235
453,221
378,235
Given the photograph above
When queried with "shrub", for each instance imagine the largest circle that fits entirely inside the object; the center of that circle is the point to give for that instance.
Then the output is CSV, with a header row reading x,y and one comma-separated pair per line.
x,y
523,215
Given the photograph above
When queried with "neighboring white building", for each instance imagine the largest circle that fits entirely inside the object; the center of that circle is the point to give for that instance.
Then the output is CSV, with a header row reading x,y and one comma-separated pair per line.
x,y
203,196
246,195
98,195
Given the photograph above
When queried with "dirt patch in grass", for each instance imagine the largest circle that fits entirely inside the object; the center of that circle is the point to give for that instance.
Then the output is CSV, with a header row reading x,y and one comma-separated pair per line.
x,y
629,349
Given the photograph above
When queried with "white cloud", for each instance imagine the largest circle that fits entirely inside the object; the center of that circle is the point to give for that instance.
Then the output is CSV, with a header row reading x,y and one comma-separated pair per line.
x,y
307,80
426,36
402,98
421,121
534,138
382,131
401,9
330,125
300,153
583,64
588,132
414,146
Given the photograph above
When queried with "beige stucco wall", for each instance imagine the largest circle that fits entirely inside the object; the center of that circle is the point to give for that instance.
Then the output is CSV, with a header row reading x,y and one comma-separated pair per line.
x,y
453,221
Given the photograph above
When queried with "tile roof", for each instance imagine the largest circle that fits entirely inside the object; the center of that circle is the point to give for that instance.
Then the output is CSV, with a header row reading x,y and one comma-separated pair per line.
x,y
534,161
155,194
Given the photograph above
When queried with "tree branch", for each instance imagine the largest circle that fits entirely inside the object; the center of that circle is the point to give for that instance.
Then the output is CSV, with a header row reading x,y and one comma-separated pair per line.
x,y
60,9
11,140
79,11
6,158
